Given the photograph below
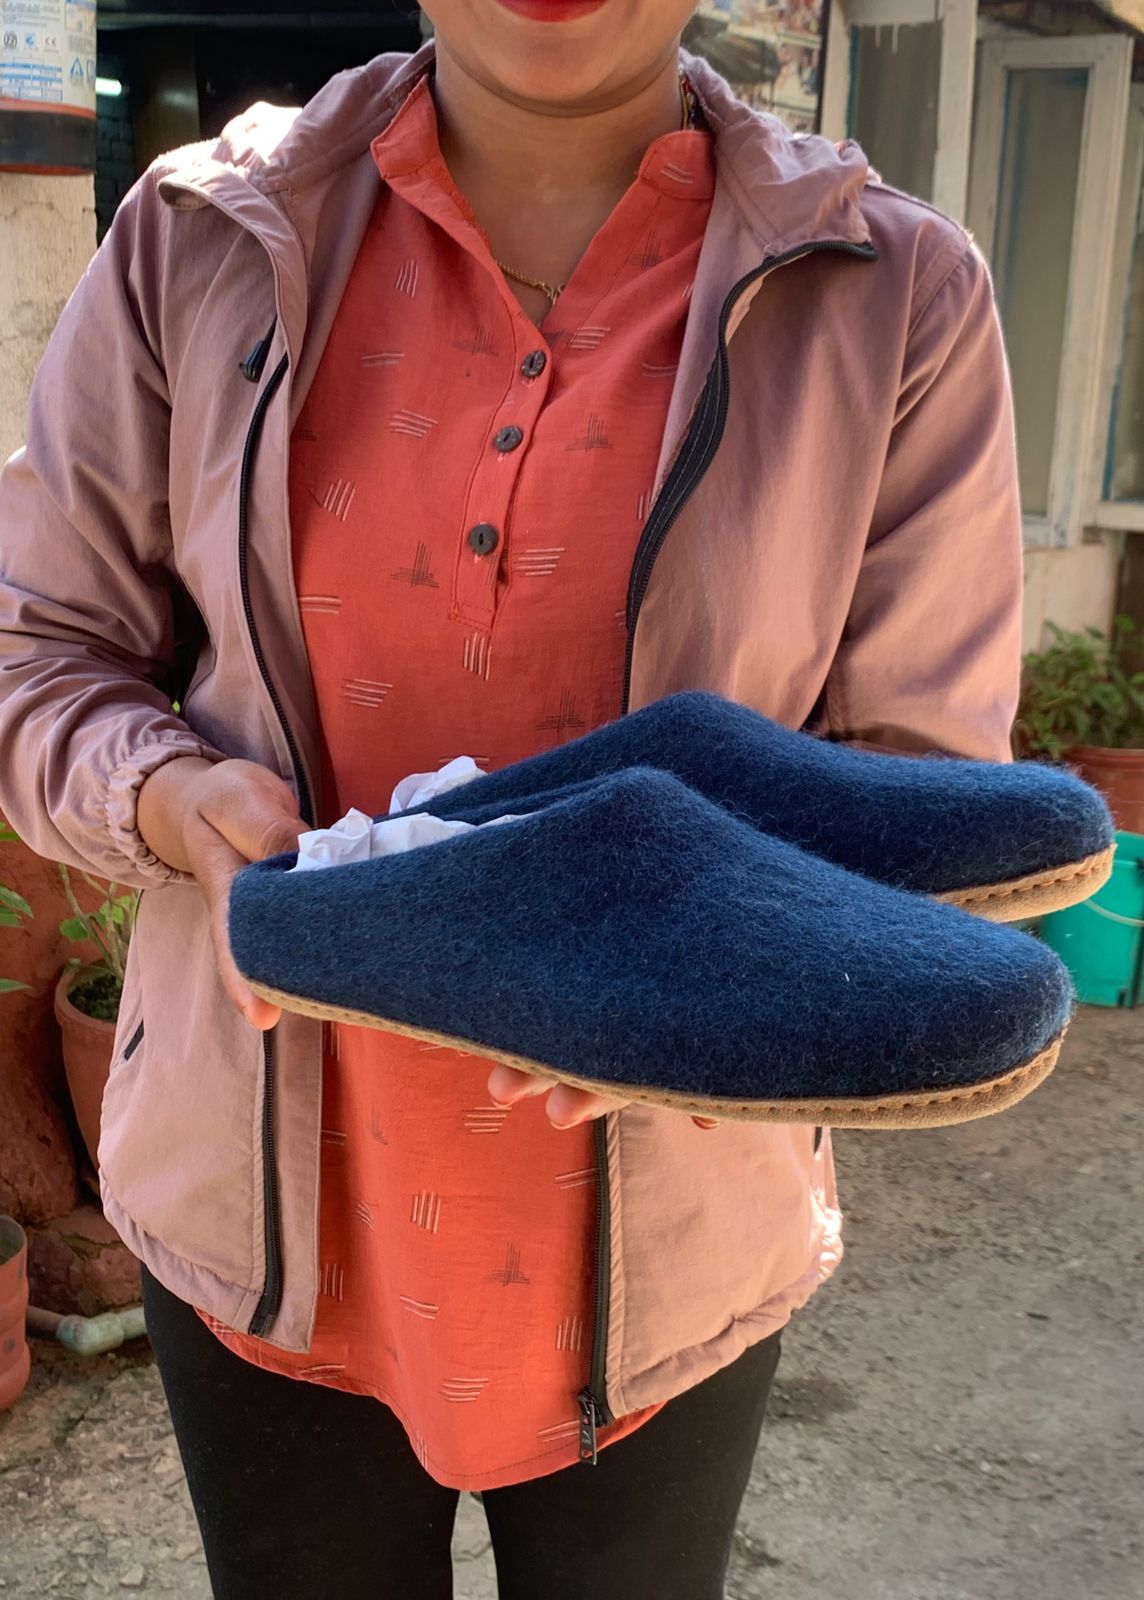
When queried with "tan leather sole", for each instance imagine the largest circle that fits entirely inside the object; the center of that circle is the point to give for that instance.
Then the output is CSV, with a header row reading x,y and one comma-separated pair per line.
x,y
932,1108
1038,893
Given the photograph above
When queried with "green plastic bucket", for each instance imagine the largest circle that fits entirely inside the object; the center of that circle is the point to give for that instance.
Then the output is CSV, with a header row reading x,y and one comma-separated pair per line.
x,y
1101,940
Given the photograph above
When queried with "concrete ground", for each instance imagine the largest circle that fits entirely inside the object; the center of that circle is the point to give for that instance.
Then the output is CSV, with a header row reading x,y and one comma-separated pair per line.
x,y
959,1416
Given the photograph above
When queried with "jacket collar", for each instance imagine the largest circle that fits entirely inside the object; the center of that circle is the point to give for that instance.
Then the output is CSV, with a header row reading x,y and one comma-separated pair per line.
x,y
789,189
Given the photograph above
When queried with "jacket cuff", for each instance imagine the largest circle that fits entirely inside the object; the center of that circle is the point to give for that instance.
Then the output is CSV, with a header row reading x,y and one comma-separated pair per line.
x,y
122,804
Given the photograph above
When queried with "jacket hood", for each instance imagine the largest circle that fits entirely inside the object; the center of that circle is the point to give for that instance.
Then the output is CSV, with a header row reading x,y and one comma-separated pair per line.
x,y
789,187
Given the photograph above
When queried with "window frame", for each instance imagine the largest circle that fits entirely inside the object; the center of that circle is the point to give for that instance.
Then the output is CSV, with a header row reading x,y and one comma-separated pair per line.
x,y
1121,514
958,20
1081,385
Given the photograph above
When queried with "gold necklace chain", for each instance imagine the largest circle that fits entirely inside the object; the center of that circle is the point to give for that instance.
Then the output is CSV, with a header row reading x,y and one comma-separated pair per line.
x,y
553,291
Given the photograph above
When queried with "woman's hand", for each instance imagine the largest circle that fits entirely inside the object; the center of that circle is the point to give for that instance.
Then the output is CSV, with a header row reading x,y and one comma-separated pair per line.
x,y
211,819
567,1107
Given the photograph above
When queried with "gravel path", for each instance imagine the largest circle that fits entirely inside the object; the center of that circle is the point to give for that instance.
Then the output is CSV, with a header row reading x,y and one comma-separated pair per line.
x,y
958,1417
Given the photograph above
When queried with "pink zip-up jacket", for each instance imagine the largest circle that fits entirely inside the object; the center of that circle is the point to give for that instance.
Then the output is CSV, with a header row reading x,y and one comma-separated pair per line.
x,y
835,540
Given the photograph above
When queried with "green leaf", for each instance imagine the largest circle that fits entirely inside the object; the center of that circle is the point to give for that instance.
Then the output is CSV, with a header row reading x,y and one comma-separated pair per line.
x,y
11,901
1077,690
9,985
8,835
75,928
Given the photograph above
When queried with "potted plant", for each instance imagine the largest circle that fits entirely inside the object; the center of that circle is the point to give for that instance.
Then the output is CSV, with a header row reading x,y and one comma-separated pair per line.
x,y
88,992
88,995
15,1358
1080,704
77,1261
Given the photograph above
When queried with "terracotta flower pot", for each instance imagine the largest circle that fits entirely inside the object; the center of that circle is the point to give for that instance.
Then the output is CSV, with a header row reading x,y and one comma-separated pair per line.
x,y
37,1160
88,1045
15,1358
1119,775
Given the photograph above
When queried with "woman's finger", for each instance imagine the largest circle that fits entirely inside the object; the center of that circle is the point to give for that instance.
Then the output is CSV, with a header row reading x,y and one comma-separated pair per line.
x,y
253,809
568,1106
216,864
507,1085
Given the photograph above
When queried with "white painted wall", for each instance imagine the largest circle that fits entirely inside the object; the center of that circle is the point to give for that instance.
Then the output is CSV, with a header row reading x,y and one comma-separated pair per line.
x,y
1074,588
47,237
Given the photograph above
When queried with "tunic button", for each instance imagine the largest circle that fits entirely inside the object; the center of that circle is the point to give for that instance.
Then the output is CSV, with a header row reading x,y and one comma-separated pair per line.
x,y
483,539
508,439
534,364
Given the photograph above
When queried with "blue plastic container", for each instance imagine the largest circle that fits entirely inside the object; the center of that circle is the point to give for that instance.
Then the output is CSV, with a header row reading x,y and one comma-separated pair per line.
x,y
1101,941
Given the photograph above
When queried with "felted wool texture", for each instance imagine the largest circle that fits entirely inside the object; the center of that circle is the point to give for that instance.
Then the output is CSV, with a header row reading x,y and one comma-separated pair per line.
x,y
637,934
932,824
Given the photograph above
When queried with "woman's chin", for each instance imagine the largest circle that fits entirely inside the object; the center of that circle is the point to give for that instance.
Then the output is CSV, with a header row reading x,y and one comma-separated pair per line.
x,y
568,56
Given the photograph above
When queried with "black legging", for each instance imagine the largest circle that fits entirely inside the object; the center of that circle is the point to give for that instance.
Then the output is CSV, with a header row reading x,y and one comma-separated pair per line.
x,y
309,1493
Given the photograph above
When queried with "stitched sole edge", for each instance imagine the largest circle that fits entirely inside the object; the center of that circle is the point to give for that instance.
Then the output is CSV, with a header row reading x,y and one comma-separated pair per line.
x,y
933,1109
1036,894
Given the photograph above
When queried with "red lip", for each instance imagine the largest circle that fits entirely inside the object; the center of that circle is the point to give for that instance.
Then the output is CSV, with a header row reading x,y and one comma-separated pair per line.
x,y
552,10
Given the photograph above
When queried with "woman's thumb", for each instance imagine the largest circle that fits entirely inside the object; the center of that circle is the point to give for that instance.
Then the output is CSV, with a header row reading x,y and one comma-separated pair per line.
x,y
254,811
278,837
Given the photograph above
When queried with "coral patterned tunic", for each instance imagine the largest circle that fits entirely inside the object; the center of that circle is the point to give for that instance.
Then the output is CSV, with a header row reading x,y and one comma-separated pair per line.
x,y
467,494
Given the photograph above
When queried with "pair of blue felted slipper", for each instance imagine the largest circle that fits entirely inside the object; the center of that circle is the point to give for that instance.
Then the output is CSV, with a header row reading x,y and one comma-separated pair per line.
x,y
698,908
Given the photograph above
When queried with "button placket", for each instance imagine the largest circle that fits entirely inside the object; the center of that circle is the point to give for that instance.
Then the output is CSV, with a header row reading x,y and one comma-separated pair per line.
x,y
494,483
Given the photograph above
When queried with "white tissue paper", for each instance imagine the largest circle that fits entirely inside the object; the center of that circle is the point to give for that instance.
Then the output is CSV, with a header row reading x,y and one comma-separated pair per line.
x,y
421,787
358,838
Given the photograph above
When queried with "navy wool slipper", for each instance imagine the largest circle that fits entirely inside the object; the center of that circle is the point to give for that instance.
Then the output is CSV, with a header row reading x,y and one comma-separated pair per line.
x,y
637,940
1006,841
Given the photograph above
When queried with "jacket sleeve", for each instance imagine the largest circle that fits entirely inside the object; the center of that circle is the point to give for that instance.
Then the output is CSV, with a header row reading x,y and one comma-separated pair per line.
x,y
930,657
92,616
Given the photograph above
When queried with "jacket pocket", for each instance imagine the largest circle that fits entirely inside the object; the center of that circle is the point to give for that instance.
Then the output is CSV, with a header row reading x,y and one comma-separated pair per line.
x,y
180,1148
129,1034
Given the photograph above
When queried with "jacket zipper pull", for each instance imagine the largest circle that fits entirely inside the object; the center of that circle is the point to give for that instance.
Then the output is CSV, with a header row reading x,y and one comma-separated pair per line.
x,y
255,364
589,1411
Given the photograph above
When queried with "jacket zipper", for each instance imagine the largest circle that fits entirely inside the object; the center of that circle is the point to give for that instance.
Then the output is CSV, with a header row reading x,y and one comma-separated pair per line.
x,y
592,1401
255,364
691,464
305,799
704,437
271,1299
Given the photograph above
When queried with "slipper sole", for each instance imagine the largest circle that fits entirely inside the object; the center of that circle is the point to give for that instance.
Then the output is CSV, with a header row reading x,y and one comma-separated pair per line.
x,y
1036,894
933,1108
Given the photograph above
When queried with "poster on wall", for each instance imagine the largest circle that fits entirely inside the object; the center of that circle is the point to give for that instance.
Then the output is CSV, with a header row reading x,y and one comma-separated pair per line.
x,y
47,55
770,51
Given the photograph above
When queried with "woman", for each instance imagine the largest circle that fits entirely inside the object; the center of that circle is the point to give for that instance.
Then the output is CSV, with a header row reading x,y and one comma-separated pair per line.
x,y
503,389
